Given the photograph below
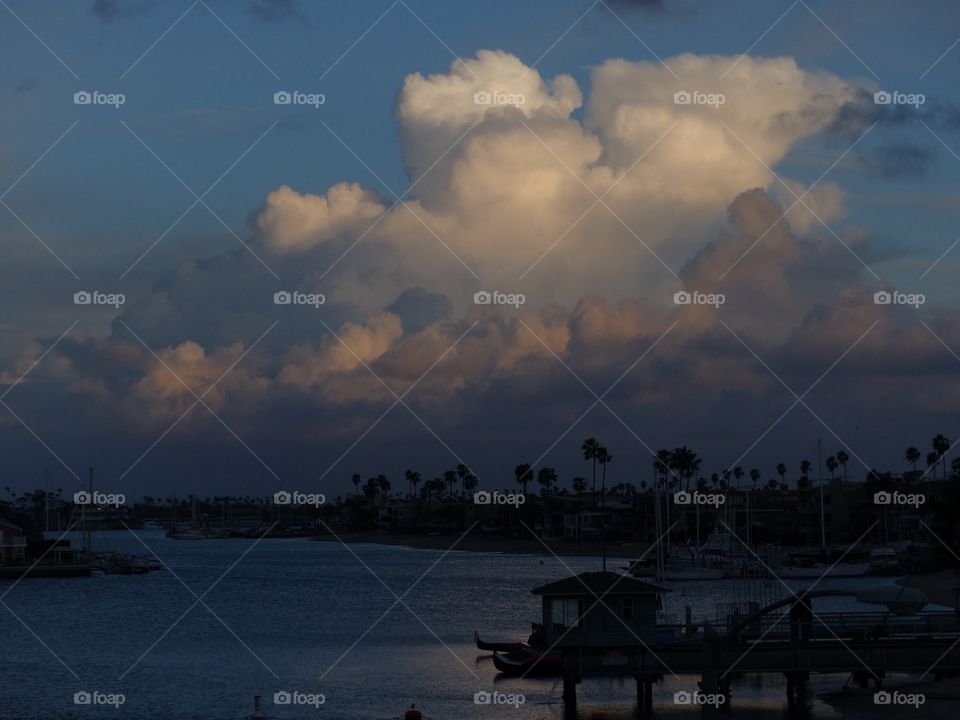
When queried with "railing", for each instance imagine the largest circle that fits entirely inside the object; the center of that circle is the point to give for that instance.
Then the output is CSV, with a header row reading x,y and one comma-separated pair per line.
x,y
830,626
17,541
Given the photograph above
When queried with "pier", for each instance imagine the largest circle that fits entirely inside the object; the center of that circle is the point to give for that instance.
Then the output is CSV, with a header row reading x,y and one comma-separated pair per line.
x,y
604,625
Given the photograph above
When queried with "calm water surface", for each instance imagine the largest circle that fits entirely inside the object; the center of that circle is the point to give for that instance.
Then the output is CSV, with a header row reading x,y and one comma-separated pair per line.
x,y
309,617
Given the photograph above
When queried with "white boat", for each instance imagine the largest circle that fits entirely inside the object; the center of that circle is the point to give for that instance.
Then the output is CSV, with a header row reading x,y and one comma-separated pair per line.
x,y
840,570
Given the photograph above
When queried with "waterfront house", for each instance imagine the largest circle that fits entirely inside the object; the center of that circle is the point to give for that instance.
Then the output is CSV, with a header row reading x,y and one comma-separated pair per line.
x,y
599,609
13,544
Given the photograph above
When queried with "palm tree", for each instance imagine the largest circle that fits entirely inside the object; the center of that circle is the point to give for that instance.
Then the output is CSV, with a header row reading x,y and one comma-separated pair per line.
x,y
782,472
738,473
604,458
771,484
661,466
590,447
546,477
450,478
413,479
356,483
941,445
524,474
383,484
955,466
805,467
832,466
469,483
842,459
755,476
579,485
462,472
932,460
912,455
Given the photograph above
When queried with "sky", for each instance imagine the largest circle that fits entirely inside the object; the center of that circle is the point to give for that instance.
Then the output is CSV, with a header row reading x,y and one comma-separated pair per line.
x,y
538,151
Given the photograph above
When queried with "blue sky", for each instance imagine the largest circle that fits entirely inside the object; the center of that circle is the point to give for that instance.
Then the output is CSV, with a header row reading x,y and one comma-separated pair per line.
x,y
199,79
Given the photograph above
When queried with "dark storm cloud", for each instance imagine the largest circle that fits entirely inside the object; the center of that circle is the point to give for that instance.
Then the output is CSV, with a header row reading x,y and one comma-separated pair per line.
x,y
419,308
858,114
897,160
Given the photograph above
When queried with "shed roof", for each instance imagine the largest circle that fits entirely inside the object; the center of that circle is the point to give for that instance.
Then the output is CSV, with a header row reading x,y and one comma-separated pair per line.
x,y
598,583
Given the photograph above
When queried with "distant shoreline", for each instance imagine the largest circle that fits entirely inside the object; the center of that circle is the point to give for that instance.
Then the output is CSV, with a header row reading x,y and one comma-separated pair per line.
x,y
488,544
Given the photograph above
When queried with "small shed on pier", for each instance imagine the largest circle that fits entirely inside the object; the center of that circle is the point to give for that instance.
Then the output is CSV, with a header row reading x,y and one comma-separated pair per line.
x,y
600,609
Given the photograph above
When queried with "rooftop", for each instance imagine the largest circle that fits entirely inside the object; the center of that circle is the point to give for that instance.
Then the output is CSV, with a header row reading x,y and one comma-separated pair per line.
x,y
598,583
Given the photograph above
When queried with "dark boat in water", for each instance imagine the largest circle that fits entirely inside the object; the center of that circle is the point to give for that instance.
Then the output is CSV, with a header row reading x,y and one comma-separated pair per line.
x,y
528,663
523,658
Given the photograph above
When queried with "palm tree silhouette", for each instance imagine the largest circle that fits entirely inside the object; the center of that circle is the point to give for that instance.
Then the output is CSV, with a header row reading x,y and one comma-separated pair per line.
x,y
912,455
738,473
832,466
413,479
941,445
932,460
523,474
842,459
755,476
356,483
546,477
805,467
579,485
782,472
604,458
462,472
450,478
590,447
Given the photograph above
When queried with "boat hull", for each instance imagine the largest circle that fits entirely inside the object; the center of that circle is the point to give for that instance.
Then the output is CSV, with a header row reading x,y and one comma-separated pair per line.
x,y
528,664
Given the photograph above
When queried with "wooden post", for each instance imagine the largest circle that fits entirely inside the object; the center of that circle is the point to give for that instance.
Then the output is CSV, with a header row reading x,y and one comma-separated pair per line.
x,y
570,697
648,697
641,695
